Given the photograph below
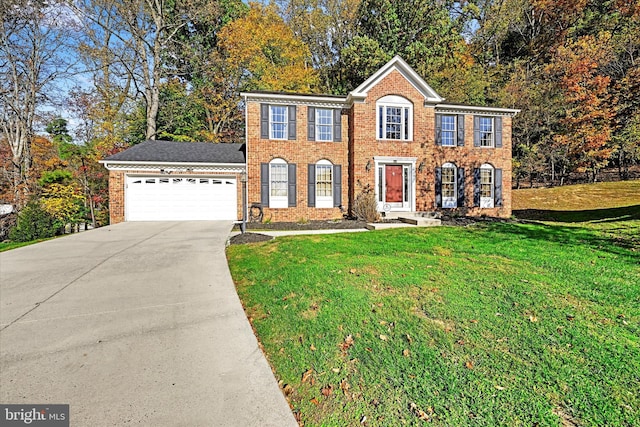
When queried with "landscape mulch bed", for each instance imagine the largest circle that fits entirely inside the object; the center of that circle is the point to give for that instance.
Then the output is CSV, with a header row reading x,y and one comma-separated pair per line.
x,y
253,234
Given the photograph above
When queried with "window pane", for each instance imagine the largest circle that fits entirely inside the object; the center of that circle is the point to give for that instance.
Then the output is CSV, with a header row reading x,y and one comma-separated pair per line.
x,y
449,182
486,132
278,122
394,123
279,180
324,182
486,183
324,125
448,130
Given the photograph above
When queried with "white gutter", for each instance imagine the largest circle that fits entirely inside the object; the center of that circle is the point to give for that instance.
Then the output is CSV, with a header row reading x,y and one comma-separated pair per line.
x,y
478,109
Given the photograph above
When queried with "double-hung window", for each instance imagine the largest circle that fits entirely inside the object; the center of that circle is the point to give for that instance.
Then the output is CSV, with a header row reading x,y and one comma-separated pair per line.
x,y
486,186
324,184
324,124
278,182
449,196
278,122
486,132
394,118
448,131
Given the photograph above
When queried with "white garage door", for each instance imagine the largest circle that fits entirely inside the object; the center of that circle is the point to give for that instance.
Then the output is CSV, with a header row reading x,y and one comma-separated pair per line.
x,y
162,198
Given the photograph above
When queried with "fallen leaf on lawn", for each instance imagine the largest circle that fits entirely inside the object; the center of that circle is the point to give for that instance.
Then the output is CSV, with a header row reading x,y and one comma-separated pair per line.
x,y
307,375
460,342
344,386
363,419
384,337
314,401
369,349
409,339
312,348
382,322
499,387
498,314
336,370
405,352
326,391
419,412
348,342
352,271
287,390
469,364
474,321
281,350
533,319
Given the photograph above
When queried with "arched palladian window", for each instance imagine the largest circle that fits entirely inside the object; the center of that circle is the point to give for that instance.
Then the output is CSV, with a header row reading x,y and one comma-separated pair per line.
x,y
394,118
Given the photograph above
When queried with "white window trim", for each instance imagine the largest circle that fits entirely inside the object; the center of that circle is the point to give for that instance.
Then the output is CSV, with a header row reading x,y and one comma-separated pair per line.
x,y
324,201
488,202
318,139
450,202
286,122
455,131
493,132
279,201
395,102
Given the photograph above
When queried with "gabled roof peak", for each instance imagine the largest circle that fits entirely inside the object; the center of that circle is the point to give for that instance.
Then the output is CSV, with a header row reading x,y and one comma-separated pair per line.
x,y
396,64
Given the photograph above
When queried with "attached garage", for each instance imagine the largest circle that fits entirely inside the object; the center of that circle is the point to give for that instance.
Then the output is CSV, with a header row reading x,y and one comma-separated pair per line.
x,y
176,181
180,198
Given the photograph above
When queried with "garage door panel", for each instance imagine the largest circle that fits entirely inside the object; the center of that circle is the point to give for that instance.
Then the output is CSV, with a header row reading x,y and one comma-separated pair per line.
x,y
181,198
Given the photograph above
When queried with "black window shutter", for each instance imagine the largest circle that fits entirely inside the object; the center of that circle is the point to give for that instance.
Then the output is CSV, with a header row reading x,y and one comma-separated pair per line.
x,y
292,122
497,187
498,125
311,185
337,186
264,121
264,185
460,130
438,129
476,131
292,184
311,123
460,187
438,187
337,125
476,187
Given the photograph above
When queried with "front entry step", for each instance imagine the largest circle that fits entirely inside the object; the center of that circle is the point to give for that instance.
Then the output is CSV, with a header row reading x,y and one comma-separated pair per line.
x,y
422,219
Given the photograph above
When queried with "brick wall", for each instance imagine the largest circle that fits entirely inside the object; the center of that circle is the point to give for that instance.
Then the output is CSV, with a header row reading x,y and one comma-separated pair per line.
x,y
301,152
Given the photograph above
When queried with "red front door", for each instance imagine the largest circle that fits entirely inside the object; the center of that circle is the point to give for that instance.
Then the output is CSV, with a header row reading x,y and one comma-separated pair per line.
x,y
393,180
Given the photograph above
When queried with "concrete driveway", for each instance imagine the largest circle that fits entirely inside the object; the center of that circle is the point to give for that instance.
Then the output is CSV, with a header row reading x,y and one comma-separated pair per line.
x,y
137,323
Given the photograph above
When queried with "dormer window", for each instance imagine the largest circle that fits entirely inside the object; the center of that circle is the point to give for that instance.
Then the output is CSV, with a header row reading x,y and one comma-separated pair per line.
x,y
394,118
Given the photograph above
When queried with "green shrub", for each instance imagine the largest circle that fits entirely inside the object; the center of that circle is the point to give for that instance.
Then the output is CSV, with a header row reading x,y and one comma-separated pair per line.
x,y
34,223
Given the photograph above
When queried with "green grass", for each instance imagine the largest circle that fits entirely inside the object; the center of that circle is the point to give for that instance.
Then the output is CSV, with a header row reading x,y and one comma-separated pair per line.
x,y
500,324
13,245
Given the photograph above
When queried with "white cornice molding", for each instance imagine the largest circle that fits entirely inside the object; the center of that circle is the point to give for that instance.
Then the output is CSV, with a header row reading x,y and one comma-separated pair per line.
x,y
493,111
396,64
310,100
174,167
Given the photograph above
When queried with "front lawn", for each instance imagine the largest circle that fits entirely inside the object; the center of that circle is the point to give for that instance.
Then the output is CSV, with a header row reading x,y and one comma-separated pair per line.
x,y
495,324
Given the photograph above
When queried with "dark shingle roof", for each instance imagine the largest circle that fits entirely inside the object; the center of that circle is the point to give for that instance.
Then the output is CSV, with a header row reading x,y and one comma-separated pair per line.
x,y
182,152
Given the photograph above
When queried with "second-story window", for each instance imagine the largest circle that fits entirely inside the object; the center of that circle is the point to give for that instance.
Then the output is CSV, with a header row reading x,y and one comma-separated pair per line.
x,y
278,122
449,131
394,118
324,124
486,132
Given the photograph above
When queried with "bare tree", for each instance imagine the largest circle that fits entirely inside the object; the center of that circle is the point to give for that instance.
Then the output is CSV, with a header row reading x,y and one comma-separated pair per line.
x,y
33,42
135,42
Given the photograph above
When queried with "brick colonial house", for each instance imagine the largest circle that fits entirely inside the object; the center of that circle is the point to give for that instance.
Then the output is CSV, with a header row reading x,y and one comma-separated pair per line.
x,y
307,157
